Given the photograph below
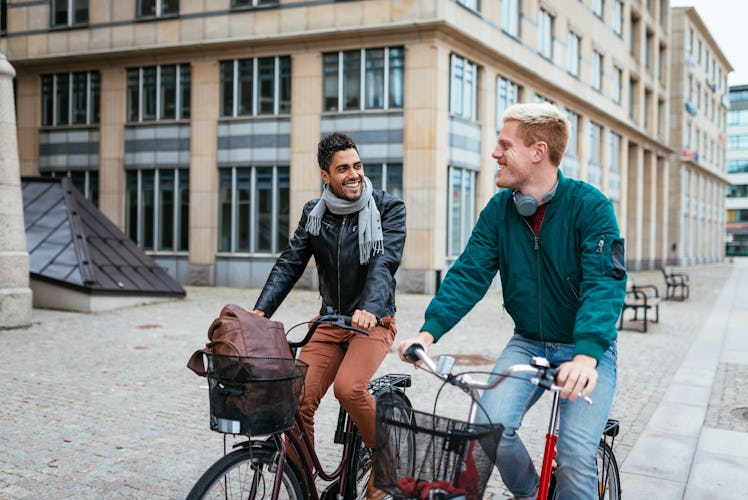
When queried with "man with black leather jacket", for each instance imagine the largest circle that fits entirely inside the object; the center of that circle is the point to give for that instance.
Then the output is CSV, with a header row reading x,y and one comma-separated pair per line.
x,y
356,235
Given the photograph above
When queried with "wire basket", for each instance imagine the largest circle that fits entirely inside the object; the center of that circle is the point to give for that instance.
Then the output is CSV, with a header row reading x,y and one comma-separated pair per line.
x,y
253,395
420,455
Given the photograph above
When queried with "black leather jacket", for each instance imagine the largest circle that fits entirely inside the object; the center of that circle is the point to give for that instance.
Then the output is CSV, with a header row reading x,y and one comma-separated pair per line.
x,y
344,283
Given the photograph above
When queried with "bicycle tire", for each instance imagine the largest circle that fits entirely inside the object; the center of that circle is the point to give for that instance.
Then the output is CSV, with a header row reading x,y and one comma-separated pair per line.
x,y
233,475
608,476
364,460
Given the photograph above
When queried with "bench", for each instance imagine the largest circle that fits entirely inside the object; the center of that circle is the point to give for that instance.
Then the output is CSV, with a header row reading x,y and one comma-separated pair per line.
x,y
642,298
677,284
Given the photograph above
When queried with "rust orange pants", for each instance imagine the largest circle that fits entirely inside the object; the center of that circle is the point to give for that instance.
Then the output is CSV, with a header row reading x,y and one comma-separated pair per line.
x,y
349,369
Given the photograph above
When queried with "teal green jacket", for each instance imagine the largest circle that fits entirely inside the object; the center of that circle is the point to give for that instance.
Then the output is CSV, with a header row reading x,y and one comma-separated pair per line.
x,y
566,285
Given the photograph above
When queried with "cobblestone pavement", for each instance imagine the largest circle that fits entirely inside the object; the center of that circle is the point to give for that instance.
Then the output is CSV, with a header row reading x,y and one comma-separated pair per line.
x,y
102,405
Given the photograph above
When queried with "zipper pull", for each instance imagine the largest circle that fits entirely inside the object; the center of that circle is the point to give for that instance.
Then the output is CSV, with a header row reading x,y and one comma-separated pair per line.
x,y
536,247
600,245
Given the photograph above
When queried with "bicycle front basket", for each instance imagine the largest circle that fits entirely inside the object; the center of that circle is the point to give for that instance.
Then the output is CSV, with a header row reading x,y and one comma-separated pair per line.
x,y
253,395
426,452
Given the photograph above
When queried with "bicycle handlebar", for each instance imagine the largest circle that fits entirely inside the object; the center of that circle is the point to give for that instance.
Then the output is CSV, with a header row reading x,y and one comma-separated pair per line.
x,y
339,320
542,373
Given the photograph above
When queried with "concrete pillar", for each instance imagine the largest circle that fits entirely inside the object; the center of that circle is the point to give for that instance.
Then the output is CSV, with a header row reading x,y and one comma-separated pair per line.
x,y
15,294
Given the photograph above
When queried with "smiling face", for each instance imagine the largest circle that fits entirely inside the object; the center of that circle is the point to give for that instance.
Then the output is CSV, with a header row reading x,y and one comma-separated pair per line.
x,y
516,161
345,175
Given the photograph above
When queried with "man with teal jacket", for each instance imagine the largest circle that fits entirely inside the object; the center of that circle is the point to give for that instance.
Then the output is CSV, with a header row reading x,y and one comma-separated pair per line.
x,y
556,244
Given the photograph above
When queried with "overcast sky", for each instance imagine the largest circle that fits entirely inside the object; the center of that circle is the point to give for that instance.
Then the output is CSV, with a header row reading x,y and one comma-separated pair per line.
x,y
726,21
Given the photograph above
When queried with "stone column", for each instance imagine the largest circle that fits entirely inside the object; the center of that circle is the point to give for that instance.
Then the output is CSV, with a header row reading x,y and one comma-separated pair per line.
x,y
15,294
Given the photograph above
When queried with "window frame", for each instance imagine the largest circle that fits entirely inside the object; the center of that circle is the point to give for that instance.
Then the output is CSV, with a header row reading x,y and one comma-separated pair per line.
x,y
573,54
51,105
460,224
71,10
149,86
230,241
252,105
463,76
546,23
158,9
511,15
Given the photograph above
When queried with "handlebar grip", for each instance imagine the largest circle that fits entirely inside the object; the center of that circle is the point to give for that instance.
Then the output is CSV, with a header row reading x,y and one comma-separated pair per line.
x,y
410,352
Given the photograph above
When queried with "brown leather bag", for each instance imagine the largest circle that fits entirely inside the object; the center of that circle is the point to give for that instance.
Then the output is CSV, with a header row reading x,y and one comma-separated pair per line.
x,y
238,332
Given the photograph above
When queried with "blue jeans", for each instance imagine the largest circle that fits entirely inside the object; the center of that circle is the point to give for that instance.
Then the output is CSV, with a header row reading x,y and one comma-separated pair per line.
x,y
581,424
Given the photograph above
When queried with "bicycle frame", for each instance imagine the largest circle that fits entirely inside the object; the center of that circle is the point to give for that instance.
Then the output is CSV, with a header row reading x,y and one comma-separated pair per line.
x,y
549,453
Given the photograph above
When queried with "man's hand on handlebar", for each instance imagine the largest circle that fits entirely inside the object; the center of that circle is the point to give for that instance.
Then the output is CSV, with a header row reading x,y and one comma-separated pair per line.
x,y
363,320
423,338
577,377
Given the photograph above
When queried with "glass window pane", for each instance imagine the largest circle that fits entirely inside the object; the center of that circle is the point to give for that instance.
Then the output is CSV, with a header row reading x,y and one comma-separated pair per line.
x,y
80,95
59,12
131,206
227,88
149,93
374,90
456,86
184,86
95,97
455,213
93,187
330,85
352,79
147,211
374,173
284,208
166,207
48,98
63,99
224,209
244,68
133,93
397,76
284,92
169,7
243,178
263,229
184,209
80,14
266,85
395,179
168,92
146,8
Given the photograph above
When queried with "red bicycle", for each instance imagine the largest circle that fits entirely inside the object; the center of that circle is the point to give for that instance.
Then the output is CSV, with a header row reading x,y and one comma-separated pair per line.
x,y
464,474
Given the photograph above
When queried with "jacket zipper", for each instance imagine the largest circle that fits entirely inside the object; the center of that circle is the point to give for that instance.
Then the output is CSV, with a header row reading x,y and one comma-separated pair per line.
x,y
571,286
600,245
340,245
536,247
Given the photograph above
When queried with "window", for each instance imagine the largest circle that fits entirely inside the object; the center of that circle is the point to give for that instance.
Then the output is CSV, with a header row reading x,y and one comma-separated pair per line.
x,y
597,8
507,93
737,166
634,41
463,99
545,34
85,181
70,99
595,138
158,93
737,142
386,176
460,209
157,208
618,17
617,85
510,15
648,50
614,152
572,147
737,117
647,108
737,191
596,70
157,8
254,207
572,54
363,79
633,90
661,64
259,86
67,12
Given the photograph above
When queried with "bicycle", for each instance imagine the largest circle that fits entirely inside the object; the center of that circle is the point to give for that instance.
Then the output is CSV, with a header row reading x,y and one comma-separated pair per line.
x,y
284,464
471,460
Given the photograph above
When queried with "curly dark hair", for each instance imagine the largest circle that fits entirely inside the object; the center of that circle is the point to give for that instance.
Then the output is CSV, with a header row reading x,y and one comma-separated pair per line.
x,y
330,145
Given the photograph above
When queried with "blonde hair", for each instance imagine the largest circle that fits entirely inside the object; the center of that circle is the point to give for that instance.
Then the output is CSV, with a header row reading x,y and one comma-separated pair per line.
x,y
541,122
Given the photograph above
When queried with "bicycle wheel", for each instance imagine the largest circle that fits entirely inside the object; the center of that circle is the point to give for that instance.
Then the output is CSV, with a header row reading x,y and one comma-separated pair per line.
x,y
246,473
608,478
403,443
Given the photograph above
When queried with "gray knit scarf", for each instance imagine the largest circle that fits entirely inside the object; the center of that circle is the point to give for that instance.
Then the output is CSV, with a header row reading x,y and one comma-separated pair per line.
x,y
370,240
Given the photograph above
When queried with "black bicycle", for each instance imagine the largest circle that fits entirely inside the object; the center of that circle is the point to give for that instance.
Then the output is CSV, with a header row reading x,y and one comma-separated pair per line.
x,y
258,397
